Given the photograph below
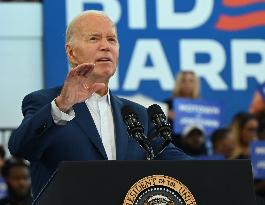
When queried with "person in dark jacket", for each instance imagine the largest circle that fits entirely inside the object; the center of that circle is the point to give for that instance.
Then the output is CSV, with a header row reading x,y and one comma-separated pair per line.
x,y
17,176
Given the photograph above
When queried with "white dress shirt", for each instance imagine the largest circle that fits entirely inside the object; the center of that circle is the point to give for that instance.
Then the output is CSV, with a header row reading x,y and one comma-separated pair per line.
x,y
101,112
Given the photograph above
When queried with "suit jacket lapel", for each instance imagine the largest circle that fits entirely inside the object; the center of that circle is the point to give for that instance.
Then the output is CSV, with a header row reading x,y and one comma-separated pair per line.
x,y
120,128
85,121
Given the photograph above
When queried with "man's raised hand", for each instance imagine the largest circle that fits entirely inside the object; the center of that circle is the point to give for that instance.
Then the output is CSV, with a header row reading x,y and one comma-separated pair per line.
x,y
78,86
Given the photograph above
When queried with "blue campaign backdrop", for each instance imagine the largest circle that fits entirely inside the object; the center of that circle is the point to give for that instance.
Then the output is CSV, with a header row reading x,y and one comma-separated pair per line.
x,y
222,41
261,90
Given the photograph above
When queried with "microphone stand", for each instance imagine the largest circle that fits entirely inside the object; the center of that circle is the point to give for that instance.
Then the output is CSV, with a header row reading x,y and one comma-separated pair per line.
x,y
150,152
161,127
136,130
145,144
154,134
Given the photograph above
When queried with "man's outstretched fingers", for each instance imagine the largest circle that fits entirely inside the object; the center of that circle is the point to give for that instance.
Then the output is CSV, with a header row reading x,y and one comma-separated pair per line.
x,y
84,68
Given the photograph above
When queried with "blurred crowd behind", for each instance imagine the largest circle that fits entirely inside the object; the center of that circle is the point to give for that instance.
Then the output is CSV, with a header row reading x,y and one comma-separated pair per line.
x,y
230,142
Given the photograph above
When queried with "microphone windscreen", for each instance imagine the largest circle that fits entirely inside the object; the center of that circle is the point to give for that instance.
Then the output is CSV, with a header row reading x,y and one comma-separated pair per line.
x,y
154,109
126,110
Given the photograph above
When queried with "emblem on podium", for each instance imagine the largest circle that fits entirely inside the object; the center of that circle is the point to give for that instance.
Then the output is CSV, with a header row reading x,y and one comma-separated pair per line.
x,y
159,190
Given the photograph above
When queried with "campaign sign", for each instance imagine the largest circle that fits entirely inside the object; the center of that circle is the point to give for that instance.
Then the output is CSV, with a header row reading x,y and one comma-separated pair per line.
x,y
257,156
197,113
222,41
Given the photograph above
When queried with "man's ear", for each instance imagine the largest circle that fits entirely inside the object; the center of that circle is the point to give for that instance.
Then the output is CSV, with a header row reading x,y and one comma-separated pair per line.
x,y
71,54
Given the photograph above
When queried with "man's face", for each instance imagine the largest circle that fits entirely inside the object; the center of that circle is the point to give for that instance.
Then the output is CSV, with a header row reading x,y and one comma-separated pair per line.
x,y
95,41
18,181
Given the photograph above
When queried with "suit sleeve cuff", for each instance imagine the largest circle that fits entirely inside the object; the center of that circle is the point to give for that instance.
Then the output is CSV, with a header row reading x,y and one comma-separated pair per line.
x,y
59,117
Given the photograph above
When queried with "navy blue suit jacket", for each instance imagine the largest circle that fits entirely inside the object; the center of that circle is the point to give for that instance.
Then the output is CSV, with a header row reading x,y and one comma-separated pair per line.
x,y
45,144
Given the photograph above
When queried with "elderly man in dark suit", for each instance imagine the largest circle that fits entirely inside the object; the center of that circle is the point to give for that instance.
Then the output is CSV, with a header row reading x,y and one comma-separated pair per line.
x,y
81,120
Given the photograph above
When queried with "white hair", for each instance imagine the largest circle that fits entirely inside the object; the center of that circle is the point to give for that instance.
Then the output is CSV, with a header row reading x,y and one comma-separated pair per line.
x,y
71,27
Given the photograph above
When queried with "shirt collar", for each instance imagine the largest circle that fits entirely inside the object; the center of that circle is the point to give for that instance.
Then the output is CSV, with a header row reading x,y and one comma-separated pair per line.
x,y
96,97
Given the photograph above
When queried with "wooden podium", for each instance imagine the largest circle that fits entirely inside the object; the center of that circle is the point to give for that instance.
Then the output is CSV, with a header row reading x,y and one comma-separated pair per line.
x,y
150,182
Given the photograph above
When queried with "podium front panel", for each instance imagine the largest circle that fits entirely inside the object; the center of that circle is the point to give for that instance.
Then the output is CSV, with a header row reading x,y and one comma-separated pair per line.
x,y
108,182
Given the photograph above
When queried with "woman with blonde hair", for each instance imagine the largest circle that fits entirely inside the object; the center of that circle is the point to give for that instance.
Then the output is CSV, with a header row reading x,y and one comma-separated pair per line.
x,y
187,85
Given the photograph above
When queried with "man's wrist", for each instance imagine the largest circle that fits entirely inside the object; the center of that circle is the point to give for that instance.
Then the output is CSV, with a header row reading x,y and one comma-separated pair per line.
x,y
62,105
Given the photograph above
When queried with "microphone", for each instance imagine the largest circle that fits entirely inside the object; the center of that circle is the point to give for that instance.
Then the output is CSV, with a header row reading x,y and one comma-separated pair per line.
x,y
162,127
136,130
